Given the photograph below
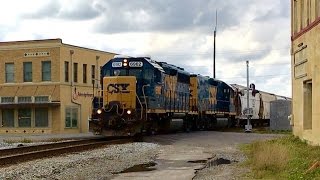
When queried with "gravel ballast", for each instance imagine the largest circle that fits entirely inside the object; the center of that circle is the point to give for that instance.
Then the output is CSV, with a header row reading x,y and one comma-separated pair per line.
x,y
96,164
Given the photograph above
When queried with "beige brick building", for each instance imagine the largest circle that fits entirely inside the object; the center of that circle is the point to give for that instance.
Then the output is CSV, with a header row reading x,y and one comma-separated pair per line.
x,y
46,86
305,61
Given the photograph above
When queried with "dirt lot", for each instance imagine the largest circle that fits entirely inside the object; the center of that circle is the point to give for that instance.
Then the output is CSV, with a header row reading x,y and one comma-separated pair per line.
x,y
197,155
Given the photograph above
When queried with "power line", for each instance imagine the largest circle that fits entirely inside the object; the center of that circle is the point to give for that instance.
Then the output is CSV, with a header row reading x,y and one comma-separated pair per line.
x,y
177,53
254,64
271,64
241,77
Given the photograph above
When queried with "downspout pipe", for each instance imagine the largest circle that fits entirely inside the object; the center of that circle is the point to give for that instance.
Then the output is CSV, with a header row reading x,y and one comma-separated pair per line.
x,y
74,88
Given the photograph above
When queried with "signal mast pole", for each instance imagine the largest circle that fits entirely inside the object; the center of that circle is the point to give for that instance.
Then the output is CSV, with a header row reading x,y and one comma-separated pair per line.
x,y
214,47
248,127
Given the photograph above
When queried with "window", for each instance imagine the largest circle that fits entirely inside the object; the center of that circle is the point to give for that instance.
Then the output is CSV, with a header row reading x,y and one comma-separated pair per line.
x,y
308,12
24,117
135,72
46,70
106,72
302,14
41,117
93,73
307,105
7,118
71,117
119,72
41,99
24,99
27,72
295,19
148,74
84,73
9,72
75,72
317,10
7,100
66,71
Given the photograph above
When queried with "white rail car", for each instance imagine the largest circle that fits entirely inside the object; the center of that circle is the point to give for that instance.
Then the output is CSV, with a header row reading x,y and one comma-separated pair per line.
x,y
259,102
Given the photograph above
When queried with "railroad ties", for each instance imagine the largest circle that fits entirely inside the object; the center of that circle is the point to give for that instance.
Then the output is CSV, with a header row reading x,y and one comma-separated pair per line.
x,y
26,153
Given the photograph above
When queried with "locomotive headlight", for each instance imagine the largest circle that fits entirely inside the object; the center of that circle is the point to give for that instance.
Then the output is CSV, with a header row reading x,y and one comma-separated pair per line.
x,y
128,111
125,64
125,60
99,111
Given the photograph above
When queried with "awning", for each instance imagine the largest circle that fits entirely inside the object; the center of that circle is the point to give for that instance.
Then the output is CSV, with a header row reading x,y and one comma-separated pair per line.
x,y
31,90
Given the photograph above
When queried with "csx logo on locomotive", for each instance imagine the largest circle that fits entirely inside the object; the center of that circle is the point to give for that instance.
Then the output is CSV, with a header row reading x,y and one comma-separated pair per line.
x,y
118,88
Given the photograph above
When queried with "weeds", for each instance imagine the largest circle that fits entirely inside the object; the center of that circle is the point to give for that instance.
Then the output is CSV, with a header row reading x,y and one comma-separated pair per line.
x,y
283,158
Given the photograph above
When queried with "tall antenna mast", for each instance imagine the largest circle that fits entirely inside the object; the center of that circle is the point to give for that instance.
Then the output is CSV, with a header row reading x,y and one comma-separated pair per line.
x,y
214,46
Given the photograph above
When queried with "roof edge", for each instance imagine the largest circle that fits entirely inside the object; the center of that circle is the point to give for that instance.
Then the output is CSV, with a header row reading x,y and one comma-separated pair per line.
x,y
5,43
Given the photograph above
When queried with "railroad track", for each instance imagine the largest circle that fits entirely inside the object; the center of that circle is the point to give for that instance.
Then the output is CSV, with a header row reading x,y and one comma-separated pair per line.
x,y
26,153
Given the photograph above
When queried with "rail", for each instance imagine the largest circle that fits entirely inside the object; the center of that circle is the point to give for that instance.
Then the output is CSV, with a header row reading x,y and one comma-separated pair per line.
x,y
16,155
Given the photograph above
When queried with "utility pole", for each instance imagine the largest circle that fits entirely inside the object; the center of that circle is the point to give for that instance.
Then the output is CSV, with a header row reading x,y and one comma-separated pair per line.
x,y
249,110
214,47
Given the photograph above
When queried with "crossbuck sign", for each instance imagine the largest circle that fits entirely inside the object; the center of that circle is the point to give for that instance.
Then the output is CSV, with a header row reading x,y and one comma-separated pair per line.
x,y
248,112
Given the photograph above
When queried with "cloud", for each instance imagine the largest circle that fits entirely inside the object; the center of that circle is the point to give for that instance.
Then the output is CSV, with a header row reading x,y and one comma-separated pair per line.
x,y
167,15
282,10
67,10
178,32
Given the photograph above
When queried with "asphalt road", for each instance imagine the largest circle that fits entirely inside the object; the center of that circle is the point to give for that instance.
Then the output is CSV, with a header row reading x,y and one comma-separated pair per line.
x,y
194,156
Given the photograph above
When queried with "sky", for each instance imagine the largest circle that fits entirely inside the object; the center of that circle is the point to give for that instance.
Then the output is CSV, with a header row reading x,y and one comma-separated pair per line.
x,y
179,32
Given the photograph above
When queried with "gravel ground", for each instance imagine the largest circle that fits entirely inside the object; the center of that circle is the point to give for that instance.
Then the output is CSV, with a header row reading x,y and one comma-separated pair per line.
x,y
172,154
13,140
95,164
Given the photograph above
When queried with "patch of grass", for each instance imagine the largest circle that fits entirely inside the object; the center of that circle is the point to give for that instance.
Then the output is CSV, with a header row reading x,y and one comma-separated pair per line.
x,y
11,141
259,130
283,158
268,131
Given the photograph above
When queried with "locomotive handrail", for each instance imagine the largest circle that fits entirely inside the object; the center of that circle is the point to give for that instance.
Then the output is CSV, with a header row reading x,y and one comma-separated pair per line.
x,y
140,105
145,100
122,106
109,109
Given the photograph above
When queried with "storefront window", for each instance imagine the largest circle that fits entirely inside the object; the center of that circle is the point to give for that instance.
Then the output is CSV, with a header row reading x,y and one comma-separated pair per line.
x,y
41,117
71,118
7,118
24,117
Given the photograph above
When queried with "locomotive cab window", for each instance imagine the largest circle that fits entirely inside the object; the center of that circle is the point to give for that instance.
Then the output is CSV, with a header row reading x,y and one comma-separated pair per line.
x,y
135,72
119,72
107,73
148,74
158,76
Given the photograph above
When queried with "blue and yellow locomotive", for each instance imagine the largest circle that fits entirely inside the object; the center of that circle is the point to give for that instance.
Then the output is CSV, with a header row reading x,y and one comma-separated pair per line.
x,y
141,95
